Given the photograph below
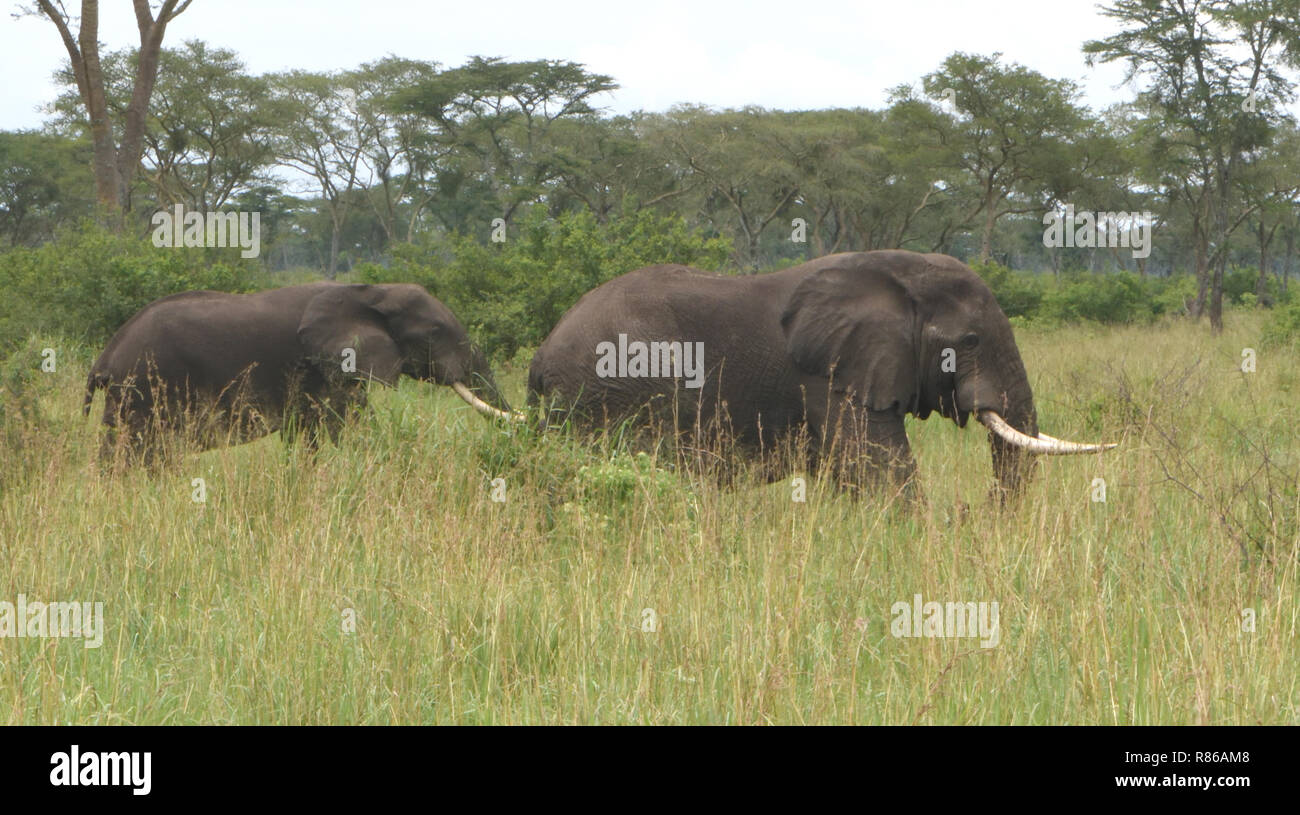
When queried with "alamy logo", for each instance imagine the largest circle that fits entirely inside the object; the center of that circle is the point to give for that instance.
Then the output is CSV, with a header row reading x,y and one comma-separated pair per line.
x,y
219,230
932,619
651,359
33,618
1099,230
90,769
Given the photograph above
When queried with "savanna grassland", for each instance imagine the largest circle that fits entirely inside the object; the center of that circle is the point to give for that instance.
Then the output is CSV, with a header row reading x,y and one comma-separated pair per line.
x,y
1129,610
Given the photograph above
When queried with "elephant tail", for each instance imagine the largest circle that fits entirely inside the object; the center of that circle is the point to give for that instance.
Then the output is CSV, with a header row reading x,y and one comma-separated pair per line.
x,y
95,381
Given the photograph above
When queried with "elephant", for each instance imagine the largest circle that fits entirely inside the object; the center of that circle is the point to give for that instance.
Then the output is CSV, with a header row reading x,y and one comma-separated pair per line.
x,y
228,368
834,352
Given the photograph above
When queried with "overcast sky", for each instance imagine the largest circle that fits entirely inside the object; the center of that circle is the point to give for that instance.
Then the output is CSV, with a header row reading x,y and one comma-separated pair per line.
x,y
789,55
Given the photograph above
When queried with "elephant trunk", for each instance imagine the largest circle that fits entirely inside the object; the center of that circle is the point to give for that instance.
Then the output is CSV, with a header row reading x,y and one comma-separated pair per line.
x,y
1016,442
1013,465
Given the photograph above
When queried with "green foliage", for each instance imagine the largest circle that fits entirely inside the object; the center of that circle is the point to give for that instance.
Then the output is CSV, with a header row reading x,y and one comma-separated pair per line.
x,y
1284,326
30,398
509,295
1238,282
90,281
1108,298
619,478
1239,287
1020,295
1113,298
1172,294
45,183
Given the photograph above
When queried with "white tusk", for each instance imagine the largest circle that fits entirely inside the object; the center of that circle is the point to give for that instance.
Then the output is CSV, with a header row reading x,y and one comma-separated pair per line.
x,y
1055,440
483,407
1043,444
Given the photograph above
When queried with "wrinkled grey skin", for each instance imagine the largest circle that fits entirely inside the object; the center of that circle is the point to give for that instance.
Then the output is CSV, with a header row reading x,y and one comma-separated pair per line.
x,y
226,368
842,348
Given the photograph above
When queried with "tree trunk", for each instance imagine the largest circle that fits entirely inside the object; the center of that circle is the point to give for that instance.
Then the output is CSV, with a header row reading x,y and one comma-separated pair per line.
x,y
1286,267
114,167
335,235
1261,283
1216,295
990,218
1202,277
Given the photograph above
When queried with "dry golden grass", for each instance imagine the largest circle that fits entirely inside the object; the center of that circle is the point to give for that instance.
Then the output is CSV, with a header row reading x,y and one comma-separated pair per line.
x,y
531,610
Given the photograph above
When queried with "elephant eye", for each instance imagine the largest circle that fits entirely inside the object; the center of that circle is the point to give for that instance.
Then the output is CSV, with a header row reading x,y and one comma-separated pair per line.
x,y
970,341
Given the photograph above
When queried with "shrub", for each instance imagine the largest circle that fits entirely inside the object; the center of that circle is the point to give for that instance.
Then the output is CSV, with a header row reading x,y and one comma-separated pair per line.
x,y
509,295
1237,283
1284,326
1103,298
88,282
1019,295
1172,294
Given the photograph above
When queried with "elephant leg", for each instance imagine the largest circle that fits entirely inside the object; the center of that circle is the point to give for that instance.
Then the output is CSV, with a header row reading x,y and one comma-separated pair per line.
x,y
867,448
110,443
889,453
302,422
139,441
341,405
131,431
311,417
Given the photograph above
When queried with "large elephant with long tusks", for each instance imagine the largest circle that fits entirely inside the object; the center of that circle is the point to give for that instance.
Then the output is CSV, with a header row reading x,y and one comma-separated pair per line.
x,y
232,367
837,350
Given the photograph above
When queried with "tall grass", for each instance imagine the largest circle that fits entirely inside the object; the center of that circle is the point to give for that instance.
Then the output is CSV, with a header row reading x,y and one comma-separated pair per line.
x,y
764,609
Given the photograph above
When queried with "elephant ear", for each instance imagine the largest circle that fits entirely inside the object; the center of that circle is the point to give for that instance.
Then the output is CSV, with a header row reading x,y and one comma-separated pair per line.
x,y
859,328
350,317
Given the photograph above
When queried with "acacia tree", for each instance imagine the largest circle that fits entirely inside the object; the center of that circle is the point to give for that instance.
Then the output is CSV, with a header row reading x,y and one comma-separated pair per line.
x,y
44,183
114,164
500,120
1014,125
744,163
1270,190
320,133
207,136
926,199
603,167
401,148
1215,92
840,164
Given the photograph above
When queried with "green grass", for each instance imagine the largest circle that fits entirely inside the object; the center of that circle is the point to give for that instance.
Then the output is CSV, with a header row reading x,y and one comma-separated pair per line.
x,y
769,611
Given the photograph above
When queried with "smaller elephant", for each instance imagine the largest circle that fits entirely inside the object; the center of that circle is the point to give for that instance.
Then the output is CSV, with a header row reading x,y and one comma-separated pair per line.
x,y
224,368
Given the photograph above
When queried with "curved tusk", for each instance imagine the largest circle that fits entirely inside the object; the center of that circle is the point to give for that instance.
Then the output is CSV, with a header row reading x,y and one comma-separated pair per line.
x,y
1055,440
483,407
1046,445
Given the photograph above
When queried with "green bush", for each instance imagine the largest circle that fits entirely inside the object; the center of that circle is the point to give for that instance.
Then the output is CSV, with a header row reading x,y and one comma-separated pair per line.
x,y
619,478
1239,287
1121,297
1019,295
1172,294
510,295
1238,282
1103,298
1284,326
90,281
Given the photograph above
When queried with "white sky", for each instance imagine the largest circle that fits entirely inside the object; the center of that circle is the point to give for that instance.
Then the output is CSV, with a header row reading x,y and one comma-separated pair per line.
x,y
790,55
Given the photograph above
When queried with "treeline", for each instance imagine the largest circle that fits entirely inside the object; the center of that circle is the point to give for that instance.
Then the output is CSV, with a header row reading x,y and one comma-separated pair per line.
x,y
85,285
348,168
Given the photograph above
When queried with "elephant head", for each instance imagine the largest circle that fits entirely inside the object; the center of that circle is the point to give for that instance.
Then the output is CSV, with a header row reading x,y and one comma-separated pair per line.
x,y
398,329
906,333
